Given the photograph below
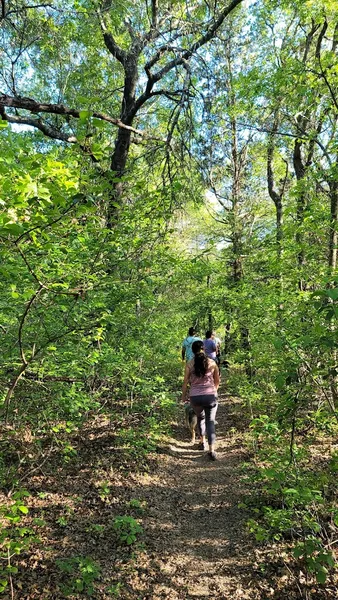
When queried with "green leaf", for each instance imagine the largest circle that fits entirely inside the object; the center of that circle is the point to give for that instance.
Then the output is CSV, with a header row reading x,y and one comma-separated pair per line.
x,y
291,491
12,569
38,521
97,150
333,294
298,551
130,539
278,343
321,575
23,509
3,124
79,585
14,228
98,123
21,494
84,115
280,381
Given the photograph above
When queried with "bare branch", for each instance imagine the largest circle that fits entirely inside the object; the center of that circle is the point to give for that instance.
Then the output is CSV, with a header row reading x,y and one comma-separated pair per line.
x,y
30,269
335,38
182,55
165,48
31,6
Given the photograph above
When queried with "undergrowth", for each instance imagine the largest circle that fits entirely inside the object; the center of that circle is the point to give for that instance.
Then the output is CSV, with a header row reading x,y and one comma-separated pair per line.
x,y
50,442
293,501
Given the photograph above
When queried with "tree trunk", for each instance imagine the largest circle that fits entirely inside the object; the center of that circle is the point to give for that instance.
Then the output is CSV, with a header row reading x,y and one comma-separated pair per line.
x,y
277,198
333,236
122,145
227,339
333,240
118,167
238,164
301,205
210,319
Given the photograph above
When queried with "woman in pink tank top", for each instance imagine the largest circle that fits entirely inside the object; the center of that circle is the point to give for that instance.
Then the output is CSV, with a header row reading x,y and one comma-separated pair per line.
x,y
201,373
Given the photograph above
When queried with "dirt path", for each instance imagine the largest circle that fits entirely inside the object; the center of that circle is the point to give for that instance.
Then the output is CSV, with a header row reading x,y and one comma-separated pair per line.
x,y
196,544
196,541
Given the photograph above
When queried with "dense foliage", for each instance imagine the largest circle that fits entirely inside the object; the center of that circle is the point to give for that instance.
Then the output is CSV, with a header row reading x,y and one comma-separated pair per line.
x,y
165,165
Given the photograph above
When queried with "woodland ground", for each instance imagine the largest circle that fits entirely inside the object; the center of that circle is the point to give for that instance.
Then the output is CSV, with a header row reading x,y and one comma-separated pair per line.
x,y
195,544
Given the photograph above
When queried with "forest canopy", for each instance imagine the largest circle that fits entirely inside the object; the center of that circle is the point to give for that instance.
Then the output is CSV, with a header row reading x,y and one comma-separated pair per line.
x,y
167,164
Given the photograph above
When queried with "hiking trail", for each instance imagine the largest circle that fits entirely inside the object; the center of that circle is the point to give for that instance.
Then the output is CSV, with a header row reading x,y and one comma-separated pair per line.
x,y
197,544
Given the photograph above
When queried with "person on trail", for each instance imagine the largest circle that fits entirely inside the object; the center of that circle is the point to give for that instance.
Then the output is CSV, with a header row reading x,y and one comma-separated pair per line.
x,y
210,345
187,352
201,373
218,343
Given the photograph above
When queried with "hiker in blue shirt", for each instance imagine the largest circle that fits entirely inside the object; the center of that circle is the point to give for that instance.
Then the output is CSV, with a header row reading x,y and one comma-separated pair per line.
x,y
187,352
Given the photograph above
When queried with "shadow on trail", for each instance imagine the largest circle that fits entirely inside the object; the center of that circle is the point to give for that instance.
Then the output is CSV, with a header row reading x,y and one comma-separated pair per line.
x,y
193,529
196,537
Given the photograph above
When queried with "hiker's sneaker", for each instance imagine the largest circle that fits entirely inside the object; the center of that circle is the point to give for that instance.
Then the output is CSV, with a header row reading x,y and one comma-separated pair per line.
x,y
212,455
201,446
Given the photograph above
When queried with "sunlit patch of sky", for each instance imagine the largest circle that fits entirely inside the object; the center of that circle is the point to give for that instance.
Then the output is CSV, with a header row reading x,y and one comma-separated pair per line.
x,y
212,202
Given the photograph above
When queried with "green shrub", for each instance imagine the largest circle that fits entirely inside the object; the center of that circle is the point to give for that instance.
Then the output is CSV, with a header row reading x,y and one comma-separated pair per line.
x,y
82,572
127,529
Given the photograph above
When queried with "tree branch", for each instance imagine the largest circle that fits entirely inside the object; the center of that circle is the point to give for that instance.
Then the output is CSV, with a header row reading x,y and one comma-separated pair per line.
x,y
209,34
58,109
113,48
320,39
154,13
183,55
30,6
109,41
22,322
47,130
274,195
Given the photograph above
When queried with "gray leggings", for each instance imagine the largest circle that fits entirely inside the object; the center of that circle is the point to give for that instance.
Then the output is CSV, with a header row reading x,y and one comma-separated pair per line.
x,y
205,407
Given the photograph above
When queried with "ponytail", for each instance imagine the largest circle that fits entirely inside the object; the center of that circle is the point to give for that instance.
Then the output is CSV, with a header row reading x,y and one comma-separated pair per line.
x,y
200,359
